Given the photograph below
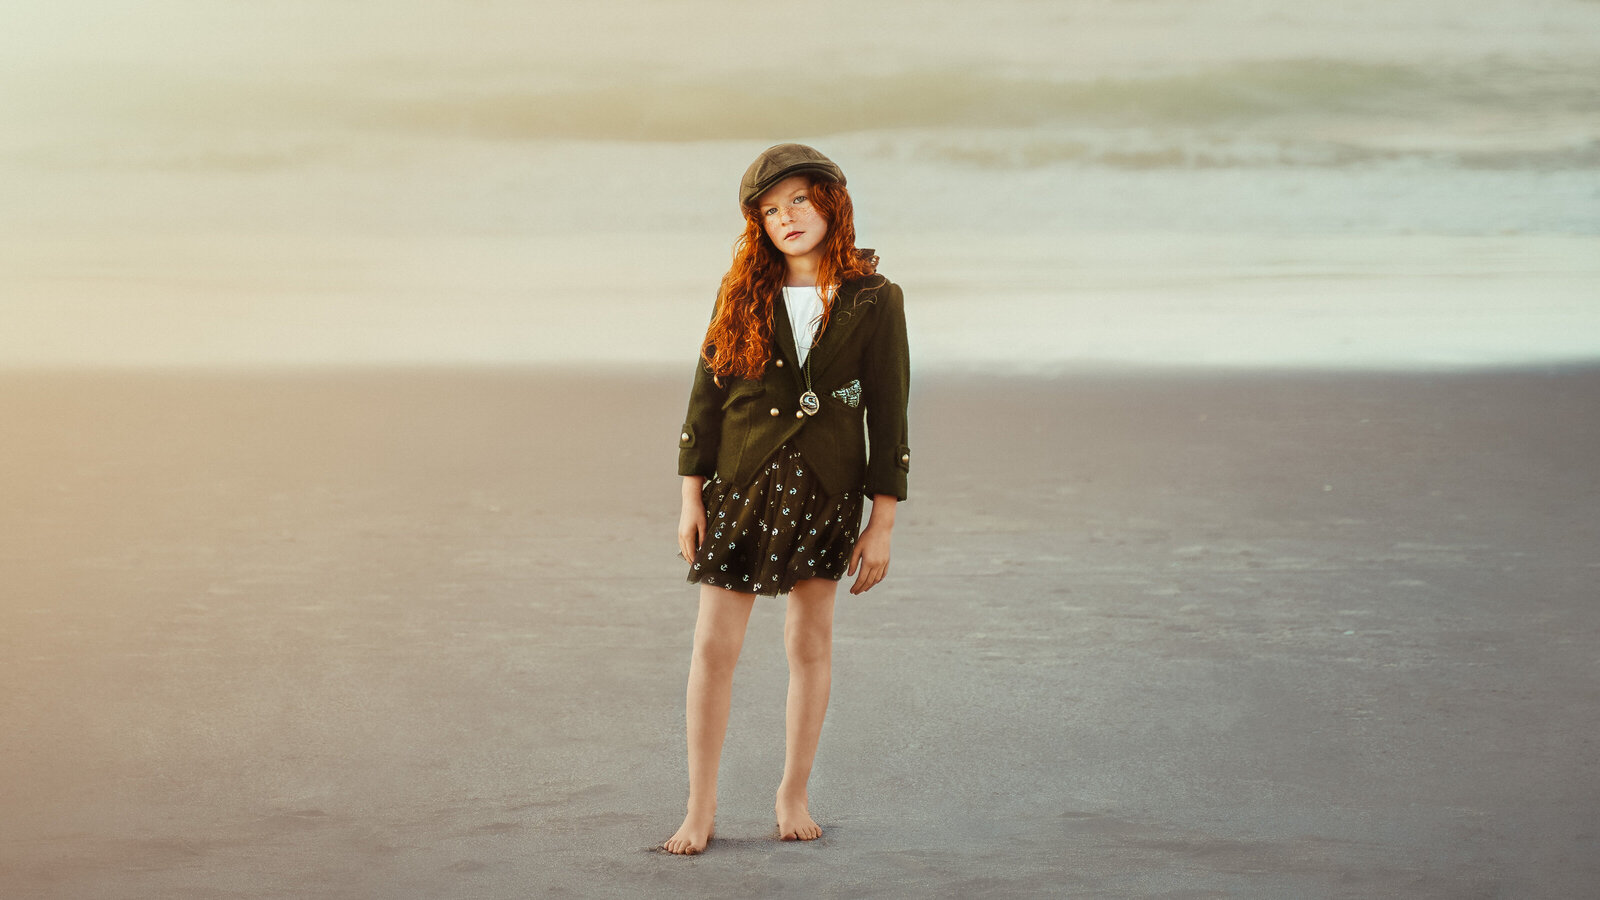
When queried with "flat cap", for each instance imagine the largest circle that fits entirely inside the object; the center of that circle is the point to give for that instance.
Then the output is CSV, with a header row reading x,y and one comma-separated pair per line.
x,y
779,162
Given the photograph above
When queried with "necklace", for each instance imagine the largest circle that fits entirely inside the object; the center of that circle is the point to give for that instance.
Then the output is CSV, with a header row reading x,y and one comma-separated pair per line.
x,y
809,402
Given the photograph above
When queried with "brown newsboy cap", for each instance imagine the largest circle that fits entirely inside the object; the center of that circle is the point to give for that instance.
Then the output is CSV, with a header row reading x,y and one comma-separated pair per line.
x,y
779,162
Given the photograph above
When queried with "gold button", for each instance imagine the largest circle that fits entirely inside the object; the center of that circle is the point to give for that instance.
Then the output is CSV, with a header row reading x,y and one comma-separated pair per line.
x,y
905,457
780,363
799,414
774,410
686,435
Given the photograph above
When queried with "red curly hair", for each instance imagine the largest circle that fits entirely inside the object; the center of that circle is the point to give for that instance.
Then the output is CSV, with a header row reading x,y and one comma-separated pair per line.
x,y
739,340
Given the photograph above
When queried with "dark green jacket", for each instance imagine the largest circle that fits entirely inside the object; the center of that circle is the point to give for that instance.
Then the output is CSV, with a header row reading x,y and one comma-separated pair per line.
x,y
733,429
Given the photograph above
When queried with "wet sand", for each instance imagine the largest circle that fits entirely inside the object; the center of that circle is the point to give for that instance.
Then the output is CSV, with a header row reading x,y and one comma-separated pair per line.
x,y
422,634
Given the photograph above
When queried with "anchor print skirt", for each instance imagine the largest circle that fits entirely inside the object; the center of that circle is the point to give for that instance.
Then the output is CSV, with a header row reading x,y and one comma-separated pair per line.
x,y
764,537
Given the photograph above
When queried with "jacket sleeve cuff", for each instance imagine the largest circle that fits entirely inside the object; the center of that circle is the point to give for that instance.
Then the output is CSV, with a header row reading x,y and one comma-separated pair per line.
x,y
689,464
694,459
890,479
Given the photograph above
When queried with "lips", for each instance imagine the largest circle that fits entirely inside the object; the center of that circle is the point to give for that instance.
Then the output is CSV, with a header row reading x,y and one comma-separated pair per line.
x,y
792,235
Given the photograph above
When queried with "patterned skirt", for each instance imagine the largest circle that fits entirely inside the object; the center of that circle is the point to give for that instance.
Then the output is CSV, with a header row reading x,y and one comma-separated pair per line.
x,y
782,528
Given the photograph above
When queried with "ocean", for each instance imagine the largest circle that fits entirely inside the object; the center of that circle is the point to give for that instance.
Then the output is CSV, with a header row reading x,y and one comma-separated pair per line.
x,y
1055,184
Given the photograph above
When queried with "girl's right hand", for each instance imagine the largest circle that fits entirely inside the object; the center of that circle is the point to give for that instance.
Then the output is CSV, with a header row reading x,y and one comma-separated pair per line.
x,y
692,520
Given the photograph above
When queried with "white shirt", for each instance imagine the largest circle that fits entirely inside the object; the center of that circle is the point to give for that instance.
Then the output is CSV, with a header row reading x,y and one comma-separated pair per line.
x,y
805,312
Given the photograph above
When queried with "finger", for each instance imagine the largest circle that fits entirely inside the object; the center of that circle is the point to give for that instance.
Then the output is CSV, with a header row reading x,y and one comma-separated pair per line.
x,y
699,533
877,576
864,582
855,560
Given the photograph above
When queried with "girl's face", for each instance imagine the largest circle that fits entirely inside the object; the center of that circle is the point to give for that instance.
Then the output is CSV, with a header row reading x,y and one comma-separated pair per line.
x,y
793,224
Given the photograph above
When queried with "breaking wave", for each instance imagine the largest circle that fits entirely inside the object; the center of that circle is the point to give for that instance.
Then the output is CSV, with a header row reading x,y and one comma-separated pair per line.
x,y
642,107
1491,114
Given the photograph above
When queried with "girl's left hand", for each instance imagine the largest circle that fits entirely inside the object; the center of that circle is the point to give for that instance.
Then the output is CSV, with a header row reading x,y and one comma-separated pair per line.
x,y
692,519
871,556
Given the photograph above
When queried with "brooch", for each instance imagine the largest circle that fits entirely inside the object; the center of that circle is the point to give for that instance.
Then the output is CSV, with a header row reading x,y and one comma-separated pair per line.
x,y
850,393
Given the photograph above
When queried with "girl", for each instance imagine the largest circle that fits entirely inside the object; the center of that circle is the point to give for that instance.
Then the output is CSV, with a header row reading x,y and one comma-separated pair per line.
x,y
805,361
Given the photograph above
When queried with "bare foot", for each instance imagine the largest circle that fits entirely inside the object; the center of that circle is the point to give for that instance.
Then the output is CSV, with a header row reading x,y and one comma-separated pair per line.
x,y
794,820
693,835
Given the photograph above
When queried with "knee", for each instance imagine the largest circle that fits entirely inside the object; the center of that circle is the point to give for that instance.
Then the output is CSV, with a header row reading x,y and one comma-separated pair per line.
x,y
716,653
808,646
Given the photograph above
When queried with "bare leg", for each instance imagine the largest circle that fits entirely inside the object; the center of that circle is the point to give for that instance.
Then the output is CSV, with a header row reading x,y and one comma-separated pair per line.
x,y
808,639
718,637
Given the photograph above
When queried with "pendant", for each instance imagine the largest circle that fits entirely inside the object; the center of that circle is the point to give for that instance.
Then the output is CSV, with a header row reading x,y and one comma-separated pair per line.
x,y
809,404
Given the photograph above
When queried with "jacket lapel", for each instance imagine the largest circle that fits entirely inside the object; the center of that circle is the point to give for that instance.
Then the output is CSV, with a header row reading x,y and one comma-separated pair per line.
x,y
783,337
842,320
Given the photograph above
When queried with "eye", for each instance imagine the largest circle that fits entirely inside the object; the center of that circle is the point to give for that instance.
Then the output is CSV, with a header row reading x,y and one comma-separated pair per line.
x,y
769,210
800,199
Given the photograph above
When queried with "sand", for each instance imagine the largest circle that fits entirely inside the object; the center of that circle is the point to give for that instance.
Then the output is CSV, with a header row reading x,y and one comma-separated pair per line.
x,y
421,633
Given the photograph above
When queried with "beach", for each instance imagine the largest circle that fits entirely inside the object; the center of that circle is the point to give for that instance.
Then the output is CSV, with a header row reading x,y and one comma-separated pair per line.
x,y
1250,547
421,633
